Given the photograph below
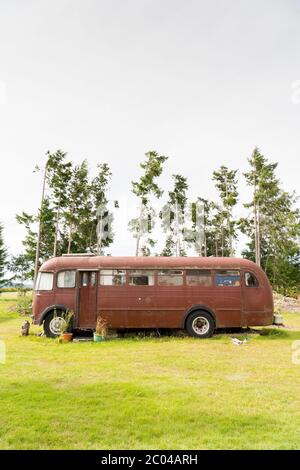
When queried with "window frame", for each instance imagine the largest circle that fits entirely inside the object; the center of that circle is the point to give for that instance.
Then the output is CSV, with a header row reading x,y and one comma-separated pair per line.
x,y
153,273
210,271
183,275
219,271
255,277
63,271
112,269
36,287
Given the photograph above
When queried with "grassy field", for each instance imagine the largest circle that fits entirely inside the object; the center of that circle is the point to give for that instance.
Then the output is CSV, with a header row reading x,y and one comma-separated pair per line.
x,y
145,393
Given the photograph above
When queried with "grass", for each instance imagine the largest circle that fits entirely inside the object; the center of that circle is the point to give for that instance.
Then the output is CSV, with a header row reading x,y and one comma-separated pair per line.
x,y
164,393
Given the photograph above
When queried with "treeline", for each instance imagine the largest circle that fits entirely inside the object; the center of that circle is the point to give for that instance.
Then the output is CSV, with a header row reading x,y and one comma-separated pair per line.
x,y
76,215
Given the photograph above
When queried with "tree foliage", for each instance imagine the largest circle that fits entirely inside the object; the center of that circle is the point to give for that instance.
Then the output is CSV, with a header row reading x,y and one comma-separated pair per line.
x,y
173,218
145,188
277,226
70,210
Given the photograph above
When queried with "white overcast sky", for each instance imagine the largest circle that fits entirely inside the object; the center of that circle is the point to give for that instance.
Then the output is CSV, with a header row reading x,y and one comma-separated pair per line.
x,y
202,81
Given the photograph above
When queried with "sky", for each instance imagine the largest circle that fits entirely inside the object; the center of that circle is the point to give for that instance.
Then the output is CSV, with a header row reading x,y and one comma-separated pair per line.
x,y
201,81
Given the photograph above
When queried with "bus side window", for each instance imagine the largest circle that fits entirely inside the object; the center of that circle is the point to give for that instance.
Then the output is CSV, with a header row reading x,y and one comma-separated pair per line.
x,y
170,277
66,279
196,277
228,278
44,281
141,278
112,277
251,280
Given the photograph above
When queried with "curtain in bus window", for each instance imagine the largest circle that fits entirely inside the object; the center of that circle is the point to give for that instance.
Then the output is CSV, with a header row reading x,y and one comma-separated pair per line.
x,y
141,277
228,278
66,279
196,277
170,277
44,281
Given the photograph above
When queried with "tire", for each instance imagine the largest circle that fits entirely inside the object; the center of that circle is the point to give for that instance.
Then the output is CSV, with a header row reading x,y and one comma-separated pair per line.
x,y
200,324
52,322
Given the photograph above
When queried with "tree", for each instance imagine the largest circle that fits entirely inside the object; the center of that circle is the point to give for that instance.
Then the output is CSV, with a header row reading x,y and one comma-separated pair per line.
x,y
173,218
144,189
104,217
206,233
3,256
226,184
59,175
77,211
46,218
20,267
273,225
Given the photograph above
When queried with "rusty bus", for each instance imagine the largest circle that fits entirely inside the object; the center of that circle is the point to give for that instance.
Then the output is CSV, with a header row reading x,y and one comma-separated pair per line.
x,y
197,294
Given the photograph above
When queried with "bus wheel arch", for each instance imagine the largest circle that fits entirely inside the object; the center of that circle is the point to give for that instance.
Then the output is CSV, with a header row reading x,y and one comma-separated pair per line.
x,y
200,323
53,321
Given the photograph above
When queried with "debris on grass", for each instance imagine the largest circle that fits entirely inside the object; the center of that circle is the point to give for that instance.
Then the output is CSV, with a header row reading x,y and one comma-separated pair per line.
x,y
239,342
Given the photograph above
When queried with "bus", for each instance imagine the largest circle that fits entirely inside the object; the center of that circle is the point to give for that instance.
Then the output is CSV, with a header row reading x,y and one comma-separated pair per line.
x,y
197,294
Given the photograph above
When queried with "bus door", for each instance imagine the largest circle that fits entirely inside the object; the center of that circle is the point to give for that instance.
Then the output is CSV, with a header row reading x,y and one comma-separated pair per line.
x,y
253,299
87,299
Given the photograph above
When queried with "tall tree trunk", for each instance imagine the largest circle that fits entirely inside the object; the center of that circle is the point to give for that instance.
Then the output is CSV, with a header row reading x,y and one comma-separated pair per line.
x,y
139,234
38,243
56,232
222,240
99,234
177,233
258,237
69,239
216,242
256,228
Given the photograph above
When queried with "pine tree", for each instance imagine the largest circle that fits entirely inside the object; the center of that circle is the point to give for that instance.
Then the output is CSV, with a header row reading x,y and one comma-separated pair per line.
x,y
146,187
206,233
273,226
47,218
173,218
77,211
59,175
103,217
20,267
226,183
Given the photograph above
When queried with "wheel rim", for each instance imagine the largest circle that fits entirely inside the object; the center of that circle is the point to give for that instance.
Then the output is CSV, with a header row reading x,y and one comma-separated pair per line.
x,y
57,325
200,325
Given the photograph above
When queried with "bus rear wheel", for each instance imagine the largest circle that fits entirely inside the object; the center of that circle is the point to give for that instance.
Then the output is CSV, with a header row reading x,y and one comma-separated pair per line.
x,y
200,324
54,324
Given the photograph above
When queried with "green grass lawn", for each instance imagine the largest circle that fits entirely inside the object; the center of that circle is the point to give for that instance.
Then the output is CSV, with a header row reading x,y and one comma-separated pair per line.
x,y
149,393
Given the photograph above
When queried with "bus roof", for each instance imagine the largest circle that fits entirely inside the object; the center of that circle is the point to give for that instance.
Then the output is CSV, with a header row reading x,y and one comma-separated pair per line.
x,y
143,262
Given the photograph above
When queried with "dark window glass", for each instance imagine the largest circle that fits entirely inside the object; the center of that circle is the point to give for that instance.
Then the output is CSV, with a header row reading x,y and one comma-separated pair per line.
x,y
228,278
84,279
170,277
196,277
141,277
250,280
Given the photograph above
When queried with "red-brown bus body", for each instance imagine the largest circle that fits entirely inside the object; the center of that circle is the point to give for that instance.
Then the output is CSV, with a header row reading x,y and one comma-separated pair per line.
x,y
153,292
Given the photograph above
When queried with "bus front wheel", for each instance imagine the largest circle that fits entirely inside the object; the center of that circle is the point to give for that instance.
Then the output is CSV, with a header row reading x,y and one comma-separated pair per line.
x,y
200,325
54,324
